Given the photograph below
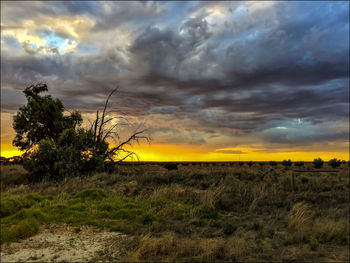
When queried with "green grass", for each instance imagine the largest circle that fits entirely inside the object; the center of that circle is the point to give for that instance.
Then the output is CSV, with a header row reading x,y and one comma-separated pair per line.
x,y
22,215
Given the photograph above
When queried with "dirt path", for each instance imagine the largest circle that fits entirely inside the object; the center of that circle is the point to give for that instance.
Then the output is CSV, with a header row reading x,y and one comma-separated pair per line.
x,y
65,243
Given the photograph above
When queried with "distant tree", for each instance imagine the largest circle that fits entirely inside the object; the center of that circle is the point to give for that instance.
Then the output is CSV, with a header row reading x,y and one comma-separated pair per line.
x,y
287,163
250,163
57,146
318,163
299,163
4,160
170,166
334,163
273,163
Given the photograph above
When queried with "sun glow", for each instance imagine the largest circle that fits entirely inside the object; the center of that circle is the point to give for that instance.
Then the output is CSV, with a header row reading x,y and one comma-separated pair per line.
x,y
170,152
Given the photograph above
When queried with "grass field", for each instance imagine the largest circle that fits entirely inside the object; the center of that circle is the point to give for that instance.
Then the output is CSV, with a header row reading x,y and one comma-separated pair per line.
x,y
197,212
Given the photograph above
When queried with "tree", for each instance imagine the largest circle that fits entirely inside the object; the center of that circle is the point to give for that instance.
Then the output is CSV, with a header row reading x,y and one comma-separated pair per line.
x,y
41,119
57,146
318,163
273,163
334,163
287,163
299,163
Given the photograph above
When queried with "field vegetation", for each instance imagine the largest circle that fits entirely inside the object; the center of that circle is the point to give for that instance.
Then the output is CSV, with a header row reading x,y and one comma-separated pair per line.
x,y
193,211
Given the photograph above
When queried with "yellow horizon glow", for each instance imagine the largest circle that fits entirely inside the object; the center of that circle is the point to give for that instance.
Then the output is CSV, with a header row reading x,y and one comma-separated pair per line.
x,y
188,153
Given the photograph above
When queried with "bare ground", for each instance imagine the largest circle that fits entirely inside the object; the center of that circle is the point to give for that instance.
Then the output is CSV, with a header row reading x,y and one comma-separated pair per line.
x,y
57,243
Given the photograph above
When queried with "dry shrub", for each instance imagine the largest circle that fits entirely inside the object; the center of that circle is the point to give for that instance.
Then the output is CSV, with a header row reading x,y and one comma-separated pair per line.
x,y
238,249
150,248
232,194
210,196
12,175
168,247
258,193
299,221
300,253
211,249
175,192
327,230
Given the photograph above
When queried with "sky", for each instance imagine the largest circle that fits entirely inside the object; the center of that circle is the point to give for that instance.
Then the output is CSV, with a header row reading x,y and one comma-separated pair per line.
x,y
212,81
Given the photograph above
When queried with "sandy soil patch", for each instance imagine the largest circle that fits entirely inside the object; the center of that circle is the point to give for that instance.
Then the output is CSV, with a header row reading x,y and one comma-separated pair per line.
x,y
57,243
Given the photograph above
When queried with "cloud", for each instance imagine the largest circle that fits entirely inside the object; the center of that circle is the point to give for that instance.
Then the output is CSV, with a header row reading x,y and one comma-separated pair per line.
x,y
229,152
233,70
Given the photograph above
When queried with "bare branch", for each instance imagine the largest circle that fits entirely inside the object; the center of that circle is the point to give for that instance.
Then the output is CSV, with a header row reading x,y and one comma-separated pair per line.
x,y
103,114
104,129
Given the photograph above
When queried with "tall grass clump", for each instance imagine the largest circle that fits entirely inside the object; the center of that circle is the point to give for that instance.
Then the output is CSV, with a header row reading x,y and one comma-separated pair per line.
x,y
299,221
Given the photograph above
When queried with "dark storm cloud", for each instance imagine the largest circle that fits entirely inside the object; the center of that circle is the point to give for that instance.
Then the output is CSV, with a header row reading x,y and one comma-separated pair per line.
x,y
12,12
300,139
230,67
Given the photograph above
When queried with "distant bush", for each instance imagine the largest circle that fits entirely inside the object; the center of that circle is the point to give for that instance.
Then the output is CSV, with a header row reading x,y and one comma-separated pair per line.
x,y
287,163
334,163
299,163
250,163
229,228
318,163
241,163
170,166
273,163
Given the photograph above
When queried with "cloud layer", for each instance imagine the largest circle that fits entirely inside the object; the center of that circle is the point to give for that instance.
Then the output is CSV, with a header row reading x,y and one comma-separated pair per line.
x,y
219,74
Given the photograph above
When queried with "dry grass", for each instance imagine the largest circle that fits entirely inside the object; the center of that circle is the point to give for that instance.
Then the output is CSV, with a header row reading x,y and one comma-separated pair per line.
x,y
299,221
12,175
174,192
330,230
238,249
170,247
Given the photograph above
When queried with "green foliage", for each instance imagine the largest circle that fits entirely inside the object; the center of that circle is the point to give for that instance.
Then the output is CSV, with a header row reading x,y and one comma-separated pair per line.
x,y
318,163
10,204
205,212
334,163
22,215
91,194
41,119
